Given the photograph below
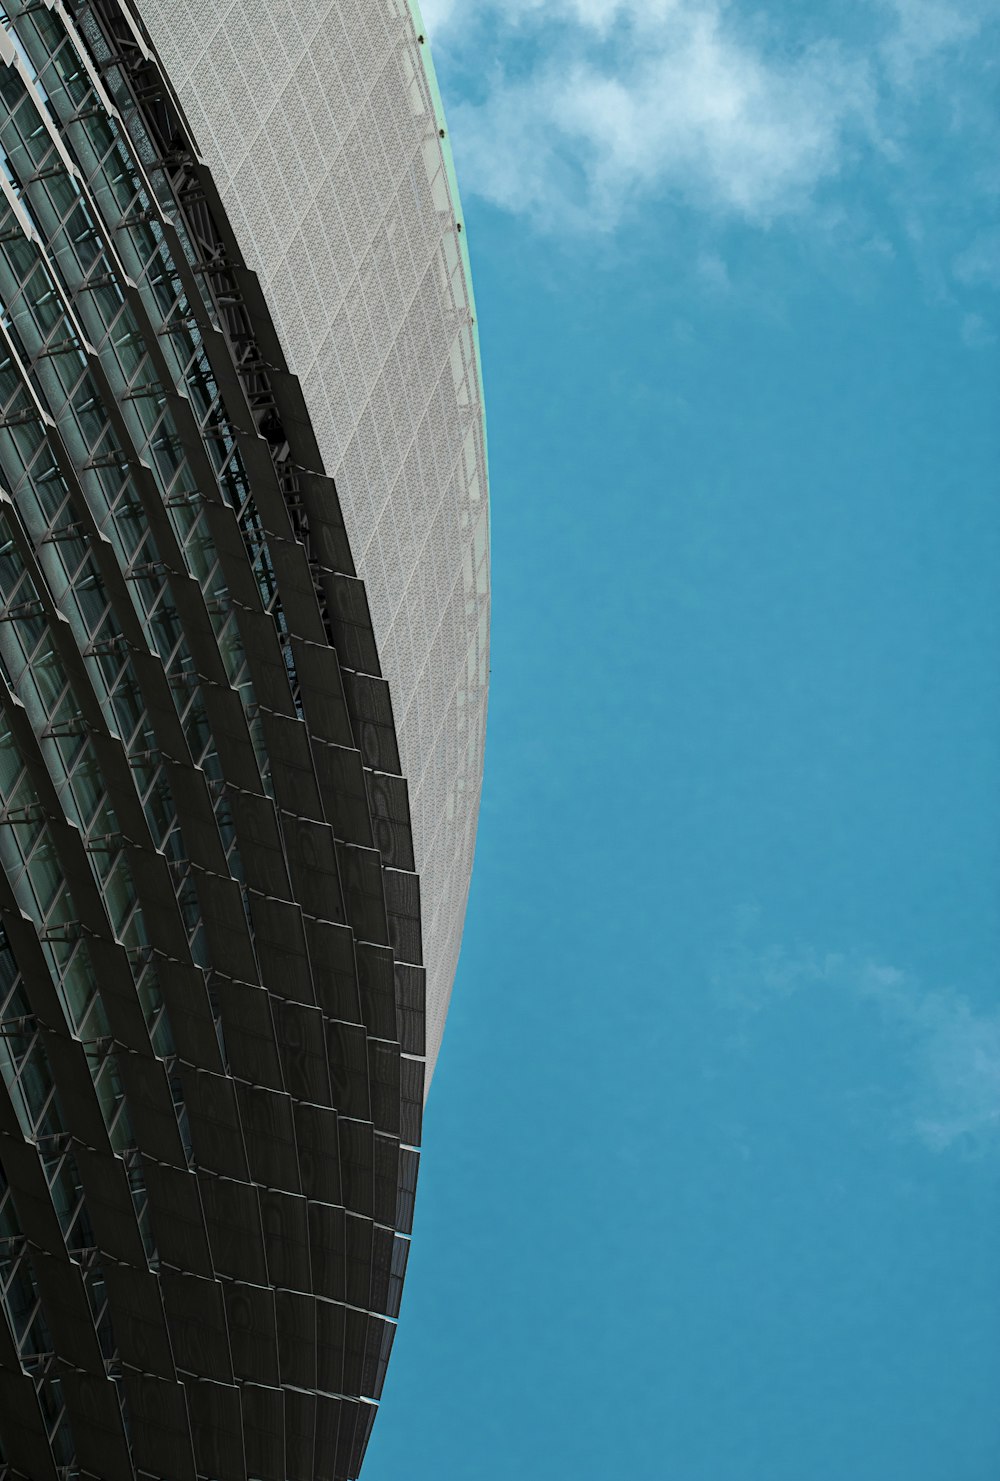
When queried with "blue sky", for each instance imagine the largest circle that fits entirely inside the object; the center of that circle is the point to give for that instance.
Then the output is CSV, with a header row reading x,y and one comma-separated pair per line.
x,y
712,1181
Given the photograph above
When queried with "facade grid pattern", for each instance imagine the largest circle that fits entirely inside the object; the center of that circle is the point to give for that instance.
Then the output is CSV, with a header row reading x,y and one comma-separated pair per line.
x,y
212,992
319,124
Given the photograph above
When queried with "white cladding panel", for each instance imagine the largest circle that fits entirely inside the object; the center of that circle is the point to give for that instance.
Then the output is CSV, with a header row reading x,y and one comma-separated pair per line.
x,y
316,119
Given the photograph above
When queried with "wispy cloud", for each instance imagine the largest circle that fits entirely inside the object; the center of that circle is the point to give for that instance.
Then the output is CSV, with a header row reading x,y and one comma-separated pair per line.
x,y
977,333
979,264
949,1093
921,29
578,110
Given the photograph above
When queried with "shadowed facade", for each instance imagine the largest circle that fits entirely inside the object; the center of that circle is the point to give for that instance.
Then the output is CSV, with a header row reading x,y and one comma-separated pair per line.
x,y
213,1026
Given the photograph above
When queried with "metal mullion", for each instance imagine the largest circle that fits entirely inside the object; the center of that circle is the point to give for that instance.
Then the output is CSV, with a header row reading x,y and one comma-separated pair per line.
x,y
44,128
183,266
127,920
136,372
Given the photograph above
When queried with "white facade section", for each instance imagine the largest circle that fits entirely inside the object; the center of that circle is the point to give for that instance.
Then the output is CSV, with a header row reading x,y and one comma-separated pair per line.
x,y
316,118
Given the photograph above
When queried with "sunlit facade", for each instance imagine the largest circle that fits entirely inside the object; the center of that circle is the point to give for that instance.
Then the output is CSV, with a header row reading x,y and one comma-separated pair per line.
x,y
244,610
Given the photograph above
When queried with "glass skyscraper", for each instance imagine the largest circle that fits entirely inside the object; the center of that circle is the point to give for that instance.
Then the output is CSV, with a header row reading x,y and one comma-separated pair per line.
x,y
244,623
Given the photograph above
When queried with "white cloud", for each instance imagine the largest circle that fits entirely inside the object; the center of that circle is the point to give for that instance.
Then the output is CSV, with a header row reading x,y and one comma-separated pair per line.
x,y
591,106
960,1050
681,105
949,1096
955,1052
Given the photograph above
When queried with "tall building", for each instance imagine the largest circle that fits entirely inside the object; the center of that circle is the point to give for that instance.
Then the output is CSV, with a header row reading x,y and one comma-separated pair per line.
x,y
244,598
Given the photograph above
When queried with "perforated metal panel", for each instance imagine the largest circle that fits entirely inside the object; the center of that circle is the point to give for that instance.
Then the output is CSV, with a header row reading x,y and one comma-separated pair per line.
x,y
317,119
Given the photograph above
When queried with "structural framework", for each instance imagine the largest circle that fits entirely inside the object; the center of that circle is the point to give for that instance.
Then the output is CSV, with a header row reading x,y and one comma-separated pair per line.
x,y
244,593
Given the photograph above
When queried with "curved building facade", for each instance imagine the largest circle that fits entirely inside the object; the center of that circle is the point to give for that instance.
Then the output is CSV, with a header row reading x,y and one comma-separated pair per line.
x,y
243,662
320,128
